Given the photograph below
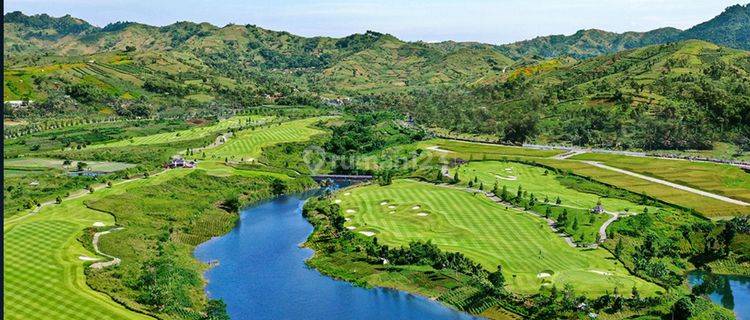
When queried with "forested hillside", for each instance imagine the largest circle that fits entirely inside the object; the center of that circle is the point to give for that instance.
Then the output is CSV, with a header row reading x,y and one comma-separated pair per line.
x,y
651,90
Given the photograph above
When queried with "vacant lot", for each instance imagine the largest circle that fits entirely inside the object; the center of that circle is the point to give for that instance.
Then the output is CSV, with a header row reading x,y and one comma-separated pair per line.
x,y
455,220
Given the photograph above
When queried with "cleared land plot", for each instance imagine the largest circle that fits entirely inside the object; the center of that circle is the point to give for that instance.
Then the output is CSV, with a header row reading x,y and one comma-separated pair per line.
x,y
40,163
455,220
726,180
248,144
478,151
184,135
709,207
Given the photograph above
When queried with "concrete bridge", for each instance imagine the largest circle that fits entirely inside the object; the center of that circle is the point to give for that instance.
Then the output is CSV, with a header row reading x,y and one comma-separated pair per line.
x,y
321,177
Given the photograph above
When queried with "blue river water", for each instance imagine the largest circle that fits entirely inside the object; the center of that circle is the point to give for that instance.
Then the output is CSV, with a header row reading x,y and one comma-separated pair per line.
x,y
731,292
261,274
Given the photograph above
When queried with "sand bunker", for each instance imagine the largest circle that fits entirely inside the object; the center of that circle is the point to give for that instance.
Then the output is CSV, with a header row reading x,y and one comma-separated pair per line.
x,y
367,233
384,203
351,228
348,194
347,219
391,207
415,208
604,273
508,169
392,212
350,211
337,201
543,275
422,214
511,178
438,149
85,258
98,224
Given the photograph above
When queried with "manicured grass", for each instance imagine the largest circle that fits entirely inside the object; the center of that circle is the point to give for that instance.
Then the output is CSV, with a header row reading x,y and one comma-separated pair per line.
x,y
248,144
184,135
478,151
484,231
709,207
43,276
103,166
533,180
726,180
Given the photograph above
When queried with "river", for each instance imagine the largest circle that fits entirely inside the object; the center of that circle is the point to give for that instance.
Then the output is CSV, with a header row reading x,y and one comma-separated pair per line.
x,y
262,274
731,292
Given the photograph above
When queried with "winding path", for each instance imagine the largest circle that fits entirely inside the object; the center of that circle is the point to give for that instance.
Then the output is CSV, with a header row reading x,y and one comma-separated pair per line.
x,y
667,183
603,227
114,260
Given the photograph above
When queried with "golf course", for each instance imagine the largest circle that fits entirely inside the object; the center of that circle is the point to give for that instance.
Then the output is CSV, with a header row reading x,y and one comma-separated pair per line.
x,y
531,254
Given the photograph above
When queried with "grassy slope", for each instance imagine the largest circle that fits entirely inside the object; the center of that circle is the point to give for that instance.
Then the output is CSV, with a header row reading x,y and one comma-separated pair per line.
x,y
722,179
248,143
484,231
44,277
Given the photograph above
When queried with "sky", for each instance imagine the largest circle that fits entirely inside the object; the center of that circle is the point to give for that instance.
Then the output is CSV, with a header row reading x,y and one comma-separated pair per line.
x,y
497,22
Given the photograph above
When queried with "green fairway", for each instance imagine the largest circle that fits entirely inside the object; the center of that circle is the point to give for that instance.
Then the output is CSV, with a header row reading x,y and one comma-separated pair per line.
x,y
530,253
190,134
717,178
534,180
478,151
43,274
248,144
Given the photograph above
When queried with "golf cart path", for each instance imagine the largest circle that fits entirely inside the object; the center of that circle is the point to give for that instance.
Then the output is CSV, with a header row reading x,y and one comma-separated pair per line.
x,y
667,183
114,260
603,227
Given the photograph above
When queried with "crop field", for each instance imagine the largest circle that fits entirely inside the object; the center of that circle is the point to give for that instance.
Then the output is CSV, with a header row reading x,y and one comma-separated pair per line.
x,y
43,274
40,163
248,144
709,207
477,151
184,135
530,253
726,180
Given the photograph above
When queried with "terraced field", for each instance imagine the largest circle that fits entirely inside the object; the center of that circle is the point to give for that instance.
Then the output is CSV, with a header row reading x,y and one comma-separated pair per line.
x,y
455,220
184,135
716,178
248,144
43,274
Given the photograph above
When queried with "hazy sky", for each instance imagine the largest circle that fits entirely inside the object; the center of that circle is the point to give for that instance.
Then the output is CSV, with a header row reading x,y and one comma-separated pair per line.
x,y
499,21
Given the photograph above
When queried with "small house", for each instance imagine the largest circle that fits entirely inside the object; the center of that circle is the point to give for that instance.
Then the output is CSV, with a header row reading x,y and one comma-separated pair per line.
x,y
180,163
598,209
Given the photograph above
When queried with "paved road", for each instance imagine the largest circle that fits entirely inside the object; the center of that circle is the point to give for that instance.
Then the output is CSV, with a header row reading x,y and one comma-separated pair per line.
x,y
671,184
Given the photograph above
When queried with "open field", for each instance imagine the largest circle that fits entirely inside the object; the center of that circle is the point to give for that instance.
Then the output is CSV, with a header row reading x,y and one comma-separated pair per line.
x,y
726,180
43,275
184,135
33,163
248,144
709,207
486,232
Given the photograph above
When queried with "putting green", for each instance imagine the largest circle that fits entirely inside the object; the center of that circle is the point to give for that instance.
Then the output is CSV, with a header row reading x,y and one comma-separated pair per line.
x,y
530,253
